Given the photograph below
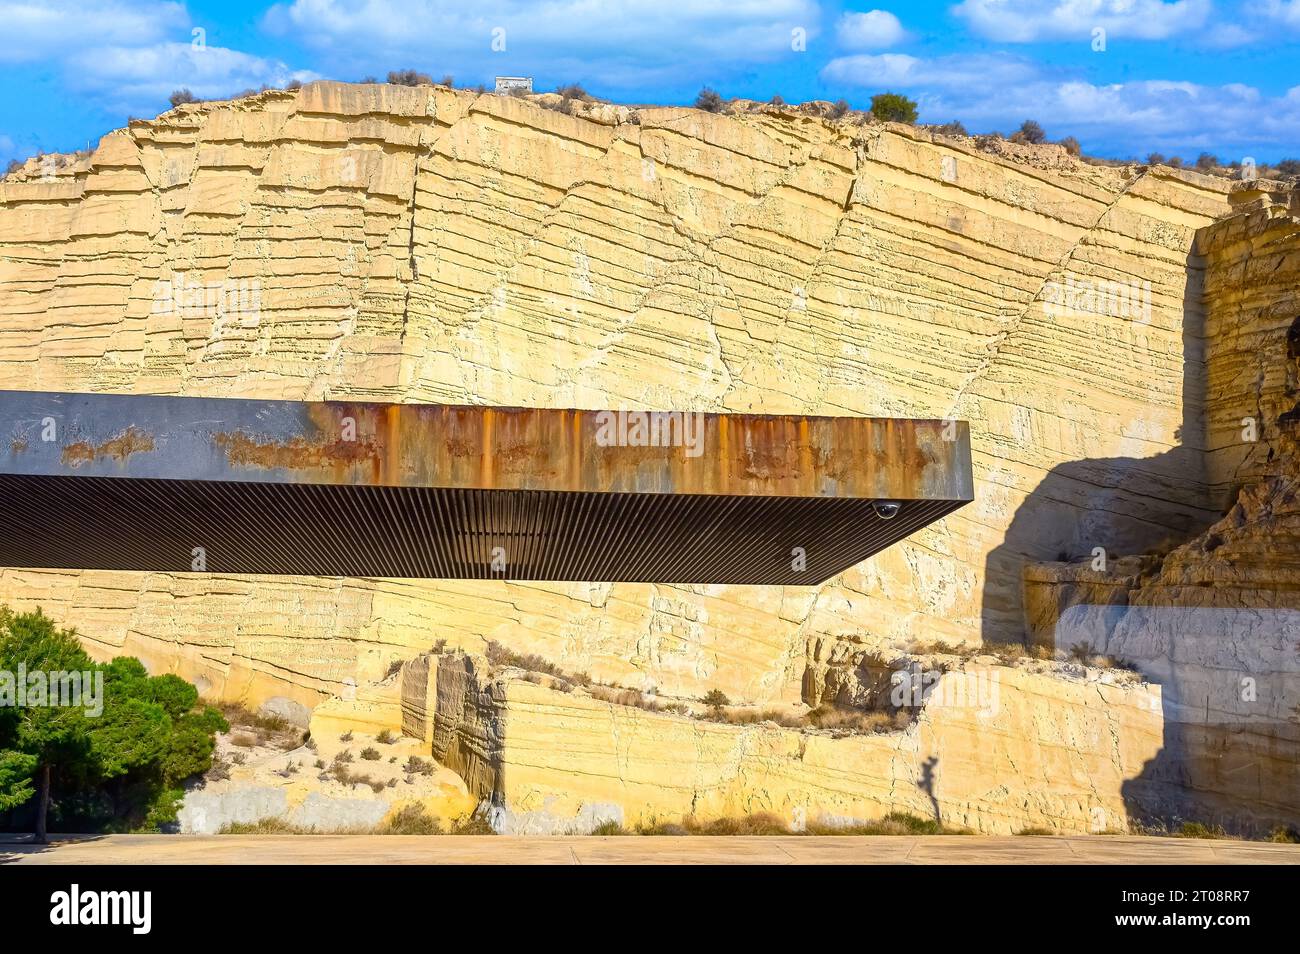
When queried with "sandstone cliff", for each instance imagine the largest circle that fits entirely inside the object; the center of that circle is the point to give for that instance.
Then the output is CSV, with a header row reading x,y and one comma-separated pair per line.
x,y
427,244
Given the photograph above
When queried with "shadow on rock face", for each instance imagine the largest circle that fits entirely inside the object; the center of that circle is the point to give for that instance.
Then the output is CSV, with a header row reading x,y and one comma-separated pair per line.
x,y
1213,622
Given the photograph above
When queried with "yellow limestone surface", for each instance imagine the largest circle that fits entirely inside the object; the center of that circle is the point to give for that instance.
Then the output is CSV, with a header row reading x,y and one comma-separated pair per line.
x,y
423,244
1038,752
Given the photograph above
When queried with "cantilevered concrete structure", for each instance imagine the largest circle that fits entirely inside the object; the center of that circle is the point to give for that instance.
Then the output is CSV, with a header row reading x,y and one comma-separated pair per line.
x,y
394,490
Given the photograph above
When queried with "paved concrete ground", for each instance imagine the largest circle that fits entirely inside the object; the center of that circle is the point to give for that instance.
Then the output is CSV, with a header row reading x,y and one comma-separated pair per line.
x,y
781,850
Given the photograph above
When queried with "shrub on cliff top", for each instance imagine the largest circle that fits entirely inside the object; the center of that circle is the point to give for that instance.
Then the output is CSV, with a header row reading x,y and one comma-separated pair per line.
x,y
893,108
1029,132
710,101
409,78
571,91
181,96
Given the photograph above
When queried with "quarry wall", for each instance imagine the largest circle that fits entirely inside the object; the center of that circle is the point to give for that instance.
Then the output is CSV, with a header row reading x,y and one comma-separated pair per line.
x,y
424,244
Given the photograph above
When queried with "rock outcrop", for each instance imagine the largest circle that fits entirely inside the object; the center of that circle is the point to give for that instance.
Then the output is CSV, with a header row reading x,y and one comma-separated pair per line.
x,y
996,749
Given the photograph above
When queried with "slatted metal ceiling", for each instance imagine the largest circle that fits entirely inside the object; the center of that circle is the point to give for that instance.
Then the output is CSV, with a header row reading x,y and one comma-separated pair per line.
x,y
318,530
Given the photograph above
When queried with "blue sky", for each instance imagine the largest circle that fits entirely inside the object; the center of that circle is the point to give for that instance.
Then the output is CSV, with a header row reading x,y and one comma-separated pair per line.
x,y
1177,76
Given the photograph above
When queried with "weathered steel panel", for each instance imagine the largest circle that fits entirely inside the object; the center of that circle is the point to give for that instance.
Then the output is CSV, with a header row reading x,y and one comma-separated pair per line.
x,y
344,488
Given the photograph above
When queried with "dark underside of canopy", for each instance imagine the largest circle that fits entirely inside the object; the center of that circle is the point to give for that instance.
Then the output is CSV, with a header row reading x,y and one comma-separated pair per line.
x,y
341,530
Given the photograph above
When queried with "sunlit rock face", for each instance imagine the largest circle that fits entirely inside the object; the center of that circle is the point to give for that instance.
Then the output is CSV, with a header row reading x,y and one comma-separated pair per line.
x,y
427,245
422,244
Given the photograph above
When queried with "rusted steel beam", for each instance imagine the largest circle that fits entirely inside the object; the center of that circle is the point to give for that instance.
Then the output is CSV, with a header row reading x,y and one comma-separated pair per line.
x,y
346,488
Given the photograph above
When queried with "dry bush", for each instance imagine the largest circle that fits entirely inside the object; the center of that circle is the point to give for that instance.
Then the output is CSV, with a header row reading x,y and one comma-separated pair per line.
x,y
418,766
370,754
266,729
759,823
857,721
661,828
280,826
343,776
502,656
710,101
789,720
619,696
473,825
245,740
939,647
572,91
265,826
411,820
895,823
835,719
409,78
1198,830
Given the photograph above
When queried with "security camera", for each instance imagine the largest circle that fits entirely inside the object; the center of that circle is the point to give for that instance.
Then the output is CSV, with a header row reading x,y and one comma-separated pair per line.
x,y
886,509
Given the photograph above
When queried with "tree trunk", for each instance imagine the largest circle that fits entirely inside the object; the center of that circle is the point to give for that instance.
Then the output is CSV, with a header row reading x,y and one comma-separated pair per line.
x,y
42,806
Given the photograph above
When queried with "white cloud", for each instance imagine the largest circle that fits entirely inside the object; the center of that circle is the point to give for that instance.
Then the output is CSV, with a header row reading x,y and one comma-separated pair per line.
x,y
873,30
137,79
999,91
1286,12
619,43
127,57
947,72
54,29
1030,21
